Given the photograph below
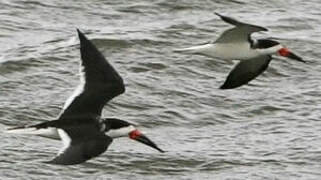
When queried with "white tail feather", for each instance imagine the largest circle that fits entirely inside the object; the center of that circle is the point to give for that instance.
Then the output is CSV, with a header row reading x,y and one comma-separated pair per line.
x,y
191,50
197,49
21,130
45,132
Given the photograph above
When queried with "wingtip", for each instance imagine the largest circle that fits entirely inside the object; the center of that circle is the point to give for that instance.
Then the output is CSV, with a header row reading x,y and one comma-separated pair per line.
x,y
84,41
226,86
78,31
55,162
48,162
236,22
218,14
223,87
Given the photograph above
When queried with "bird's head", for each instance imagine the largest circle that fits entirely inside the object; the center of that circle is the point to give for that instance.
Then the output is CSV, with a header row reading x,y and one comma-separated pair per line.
x,y
268,46
116,128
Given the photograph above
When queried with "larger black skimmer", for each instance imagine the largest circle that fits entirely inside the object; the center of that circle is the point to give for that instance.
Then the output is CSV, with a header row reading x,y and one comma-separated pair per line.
x,y
80,127
236,44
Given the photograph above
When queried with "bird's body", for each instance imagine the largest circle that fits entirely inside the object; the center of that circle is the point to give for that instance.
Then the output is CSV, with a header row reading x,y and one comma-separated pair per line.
x,y
84,133
226,51
236,44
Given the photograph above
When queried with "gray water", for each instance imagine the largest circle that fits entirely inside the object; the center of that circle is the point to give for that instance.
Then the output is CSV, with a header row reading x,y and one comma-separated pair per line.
x,y
269,129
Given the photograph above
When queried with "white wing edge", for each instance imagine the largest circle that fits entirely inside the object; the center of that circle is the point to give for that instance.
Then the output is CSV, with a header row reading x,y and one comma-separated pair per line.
x,y
66,140
77,91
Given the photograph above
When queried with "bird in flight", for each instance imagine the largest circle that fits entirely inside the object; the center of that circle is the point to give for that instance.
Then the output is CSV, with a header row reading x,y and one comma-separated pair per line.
x,y
84,133
236,44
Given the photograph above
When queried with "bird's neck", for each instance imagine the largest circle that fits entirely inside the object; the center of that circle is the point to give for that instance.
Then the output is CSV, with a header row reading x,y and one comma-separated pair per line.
x,y
269,51
121,132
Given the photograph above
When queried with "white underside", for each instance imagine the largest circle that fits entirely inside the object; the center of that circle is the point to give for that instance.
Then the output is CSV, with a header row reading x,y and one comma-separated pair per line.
x,y
59,134
226,51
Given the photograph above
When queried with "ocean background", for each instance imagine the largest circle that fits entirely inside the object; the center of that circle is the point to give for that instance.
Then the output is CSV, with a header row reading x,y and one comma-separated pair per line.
x,y
269,129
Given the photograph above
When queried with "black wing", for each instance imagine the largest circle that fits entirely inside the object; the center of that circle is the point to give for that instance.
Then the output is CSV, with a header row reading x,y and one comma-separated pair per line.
x,y
100,82
245,71
241,32
81,143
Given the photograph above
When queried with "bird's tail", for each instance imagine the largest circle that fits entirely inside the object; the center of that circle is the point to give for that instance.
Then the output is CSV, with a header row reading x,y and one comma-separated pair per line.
x,y
38,129
190,50
195,49
22,130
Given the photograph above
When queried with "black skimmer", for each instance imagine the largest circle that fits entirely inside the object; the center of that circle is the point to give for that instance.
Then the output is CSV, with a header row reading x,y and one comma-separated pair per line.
x,y
80,127
236,44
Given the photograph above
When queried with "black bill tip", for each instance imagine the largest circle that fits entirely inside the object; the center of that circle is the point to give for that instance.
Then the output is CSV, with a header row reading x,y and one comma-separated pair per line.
x,y
143,139
295,57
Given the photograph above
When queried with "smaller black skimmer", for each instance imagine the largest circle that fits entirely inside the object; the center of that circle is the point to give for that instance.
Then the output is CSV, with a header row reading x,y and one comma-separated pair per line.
x,y
236,44
80,127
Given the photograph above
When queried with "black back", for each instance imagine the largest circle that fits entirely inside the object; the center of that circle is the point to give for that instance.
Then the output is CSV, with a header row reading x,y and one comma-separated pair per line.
x,y
265,43
113,123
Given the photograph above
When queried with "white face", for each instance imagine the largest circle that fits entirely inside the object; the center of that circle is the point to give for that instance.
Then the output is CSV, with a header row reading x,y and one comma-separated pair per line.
x,y
122,132
271,50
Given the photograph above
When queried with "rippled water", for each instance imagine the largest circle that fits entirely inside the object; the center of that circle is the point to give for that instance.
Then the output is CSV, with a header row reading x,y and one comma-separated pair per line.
x,y
270,129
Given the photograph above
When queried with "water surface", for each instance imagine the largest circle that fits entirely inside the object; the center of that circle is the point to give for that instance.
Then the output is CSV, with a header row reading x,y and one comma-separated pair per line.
x,y
269,129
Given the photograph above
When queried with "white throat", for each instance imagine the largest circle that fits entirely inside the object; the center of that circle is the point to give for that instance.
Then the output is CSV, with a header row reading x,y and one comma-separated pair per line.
x,y
271,50
122,132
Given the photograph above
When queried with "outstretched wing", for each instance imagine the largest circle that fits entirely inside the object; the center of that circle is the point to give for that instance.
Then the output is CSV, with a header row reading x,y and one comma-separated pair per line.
x,y
245,71
100,82
79,145
241,31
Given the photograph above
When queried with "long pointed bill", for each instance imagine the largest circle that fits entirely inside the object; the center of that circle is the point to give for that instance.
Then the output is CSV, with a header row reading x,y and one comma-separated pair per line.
x,y
138,136
287,53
